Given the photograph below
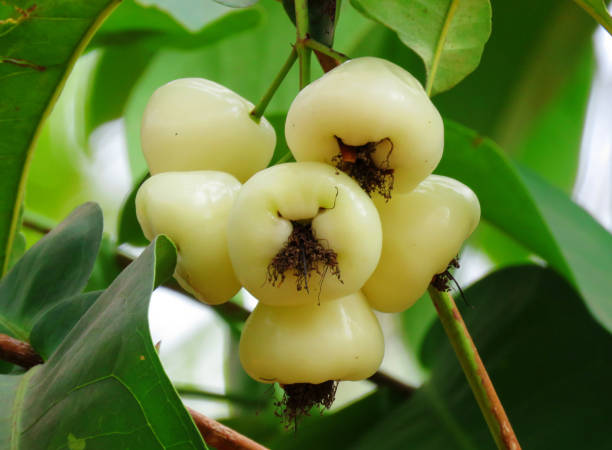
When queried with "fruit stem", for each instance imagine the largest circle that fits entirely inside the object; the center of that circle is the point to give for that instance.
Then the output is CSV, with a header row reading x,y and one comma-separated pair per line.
x,y
324,49
474,370
280,76
301,25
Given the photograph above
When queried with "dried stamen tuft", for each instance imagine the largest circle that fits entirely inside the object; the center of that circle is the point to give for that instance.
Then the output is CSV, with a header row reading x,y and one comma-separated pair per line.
x,y
302,255
300,398
357,162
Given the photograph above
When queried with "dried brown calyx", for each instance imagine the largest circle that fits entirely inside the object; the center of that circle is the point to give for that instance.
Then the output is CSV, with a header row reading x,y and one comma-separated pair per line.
x,y
358,163
442,281
300,398
302,255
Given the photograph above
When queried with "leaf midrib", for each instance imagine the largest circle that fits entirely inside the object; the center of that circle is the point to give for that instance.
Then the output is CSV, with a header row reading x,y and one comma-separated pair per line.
x,y
450,13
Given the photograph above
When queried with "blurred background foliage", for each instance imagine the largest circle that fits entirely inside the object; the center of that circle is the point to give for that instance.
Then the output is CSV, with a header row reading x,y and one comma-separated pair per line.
x,y
542,311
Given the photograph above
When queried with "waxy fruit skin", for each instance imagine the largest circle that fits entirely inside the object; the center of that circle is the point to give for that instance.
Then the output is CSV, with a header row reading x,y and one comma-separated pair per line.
x,y
338,340
423,231
197,124
368,100
344,219
192,208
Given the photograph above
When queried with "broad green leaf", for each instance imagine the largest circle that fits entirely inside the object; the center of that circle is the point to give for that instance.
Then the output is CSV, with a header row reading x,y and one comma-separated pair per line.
x,y
104,381
106,267
54,325
520,205
56,267
539,345
597,10
531,88
36,56
448,35
192,14
129,228
133,23
237,3
585,245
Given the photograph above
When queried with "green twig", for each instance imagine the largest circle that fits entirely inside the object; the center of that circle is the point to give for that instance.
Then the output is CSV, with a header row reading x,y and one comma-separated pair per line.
x,y
474,370
303,52
324,49
265,100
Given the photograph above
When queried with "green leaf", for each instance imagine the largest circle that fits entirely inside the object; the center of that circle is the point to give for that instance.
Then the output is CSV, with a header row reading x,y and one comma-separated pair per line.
x,y
531,88
129,228
237,3
35,52
106,267
104,386
448,35
539,345
598,11
520,205
54,325
56,267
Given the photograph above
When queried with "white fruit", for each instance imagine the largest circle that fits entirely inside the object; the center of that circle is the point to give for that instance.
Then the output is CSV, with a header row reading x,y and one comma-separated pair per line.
x,y
368,100
192,208
343,217
339,340
423,231
197,124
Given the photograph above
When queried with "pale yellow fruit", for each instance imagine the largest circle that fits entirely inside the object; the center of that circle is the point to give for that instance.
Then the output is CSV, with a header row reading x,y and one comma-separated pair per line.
x,y
368,100
192,208
343,217
197,124
423,231
339,340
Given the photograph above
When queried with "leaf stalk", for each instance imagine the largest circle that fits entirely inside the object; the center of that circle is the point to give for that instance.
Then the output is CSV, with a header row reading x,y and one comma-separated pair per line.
x,y
474,370
260,108
303,52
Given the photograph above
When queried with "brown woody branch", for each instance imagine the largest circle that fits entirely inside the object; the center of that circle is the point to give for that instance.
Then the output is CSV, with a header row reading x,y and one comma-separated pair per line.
x,y
220,436
18,352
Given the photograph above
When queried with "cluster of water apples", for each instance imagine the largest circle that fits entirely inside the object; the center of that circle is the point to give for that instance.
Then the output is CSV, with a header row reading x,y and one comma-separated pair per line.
x,y
357,224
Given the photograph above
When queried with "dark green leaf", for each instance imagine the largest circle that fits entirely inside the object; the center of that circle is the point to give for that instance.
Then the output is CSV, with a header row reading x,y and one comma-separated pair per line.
x,y
103,387
19,247
521,207
448,35
543,352
52,327
117,70
597,9
36,56
56,267
342,429
129,228
546,358
106,267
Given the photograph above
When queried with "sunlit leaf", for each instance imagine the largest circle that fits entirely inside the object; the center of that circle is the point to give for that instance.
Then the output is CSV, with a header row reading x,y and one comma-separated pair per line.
x,y
34,52
448,35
